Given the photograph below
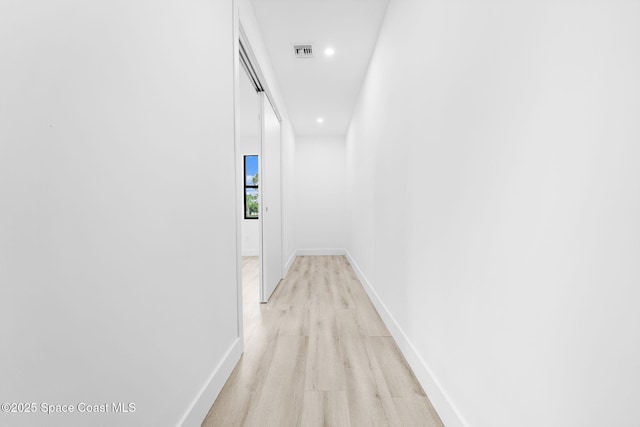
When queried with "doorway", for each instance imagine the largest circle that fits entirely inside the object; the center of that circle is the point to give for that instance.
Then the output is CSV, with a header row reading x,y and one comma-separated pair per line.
x,y
248,149
258,158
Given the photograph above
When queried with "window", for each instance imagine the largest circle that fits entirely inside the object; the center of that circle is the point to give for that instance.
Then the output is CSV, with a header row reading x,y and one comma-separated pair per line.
x,y
251,190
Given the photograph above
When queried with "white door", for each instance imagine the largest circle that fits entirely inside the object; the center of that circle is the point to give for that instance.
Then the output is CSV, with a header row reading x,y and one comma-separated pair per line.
x,y
271,205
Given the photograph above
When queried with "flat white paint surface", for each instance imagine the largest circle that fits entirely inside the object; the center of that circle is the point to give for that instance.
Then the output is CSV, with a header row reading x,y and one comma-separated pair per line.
x,y
321,86
270,201
288,147
248,107
320,208
118,209
493,189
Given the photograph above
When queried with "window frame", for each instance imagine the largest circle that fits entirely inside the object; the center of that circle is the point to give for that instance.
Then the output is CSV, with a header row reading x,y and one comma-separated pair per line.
x,y
250,186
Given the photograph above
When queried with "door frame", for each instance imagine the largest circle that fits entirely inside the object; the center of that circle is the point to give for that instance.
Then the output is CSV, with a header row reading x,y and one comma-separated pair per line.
x,y
244,57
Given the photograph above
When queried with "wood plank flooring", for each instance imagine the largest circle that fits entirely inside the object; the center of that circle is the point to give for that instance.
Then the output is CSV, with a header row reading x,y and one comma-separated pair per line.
x,y
318,354
250,296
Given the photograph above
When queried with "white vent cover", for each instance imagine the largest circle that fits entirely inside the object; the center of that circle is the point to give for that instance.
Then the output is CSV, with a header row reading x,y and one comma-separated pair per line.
x,y
303,51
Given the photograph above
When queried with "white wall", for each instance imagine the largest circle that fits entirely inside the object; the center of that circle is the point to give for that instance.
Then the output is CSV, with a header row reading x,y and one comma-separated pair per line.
x,y
320,208
117,232
494,203
288,152
252,29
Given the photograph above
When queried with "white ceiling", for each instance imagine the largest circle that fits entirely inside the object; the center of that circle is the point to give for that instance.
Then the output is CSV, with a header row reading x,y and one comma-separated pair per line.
x,y
323,86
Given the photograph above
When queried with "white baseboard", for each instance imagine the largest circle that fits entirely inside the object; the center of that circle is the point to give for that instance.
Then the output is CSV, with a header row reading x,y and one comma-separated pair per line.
x,y
288,265
251,252
204,400
441,402
320,252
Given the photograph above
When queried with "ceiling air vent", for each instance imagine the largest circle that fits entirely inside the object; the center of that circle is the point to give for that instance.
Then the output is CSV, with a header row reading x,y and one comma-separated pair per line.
x,y
303,51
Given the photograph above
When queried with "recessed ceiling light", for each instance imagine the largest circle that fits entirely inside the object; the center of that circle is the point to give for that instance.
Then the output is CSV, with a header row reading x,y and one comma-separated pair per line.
x,y
320,120
329,51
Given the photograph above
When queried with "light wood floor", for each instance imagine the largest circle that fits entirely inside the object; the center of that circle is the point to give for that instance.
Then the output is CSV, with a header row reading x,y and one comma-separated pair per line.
x,y
251,307
318,354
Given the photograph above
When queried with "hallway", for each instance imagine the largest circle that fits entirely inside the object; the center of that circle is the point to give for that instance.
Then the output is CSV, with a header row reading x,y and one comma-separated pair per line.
x,y
319,354
451,189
